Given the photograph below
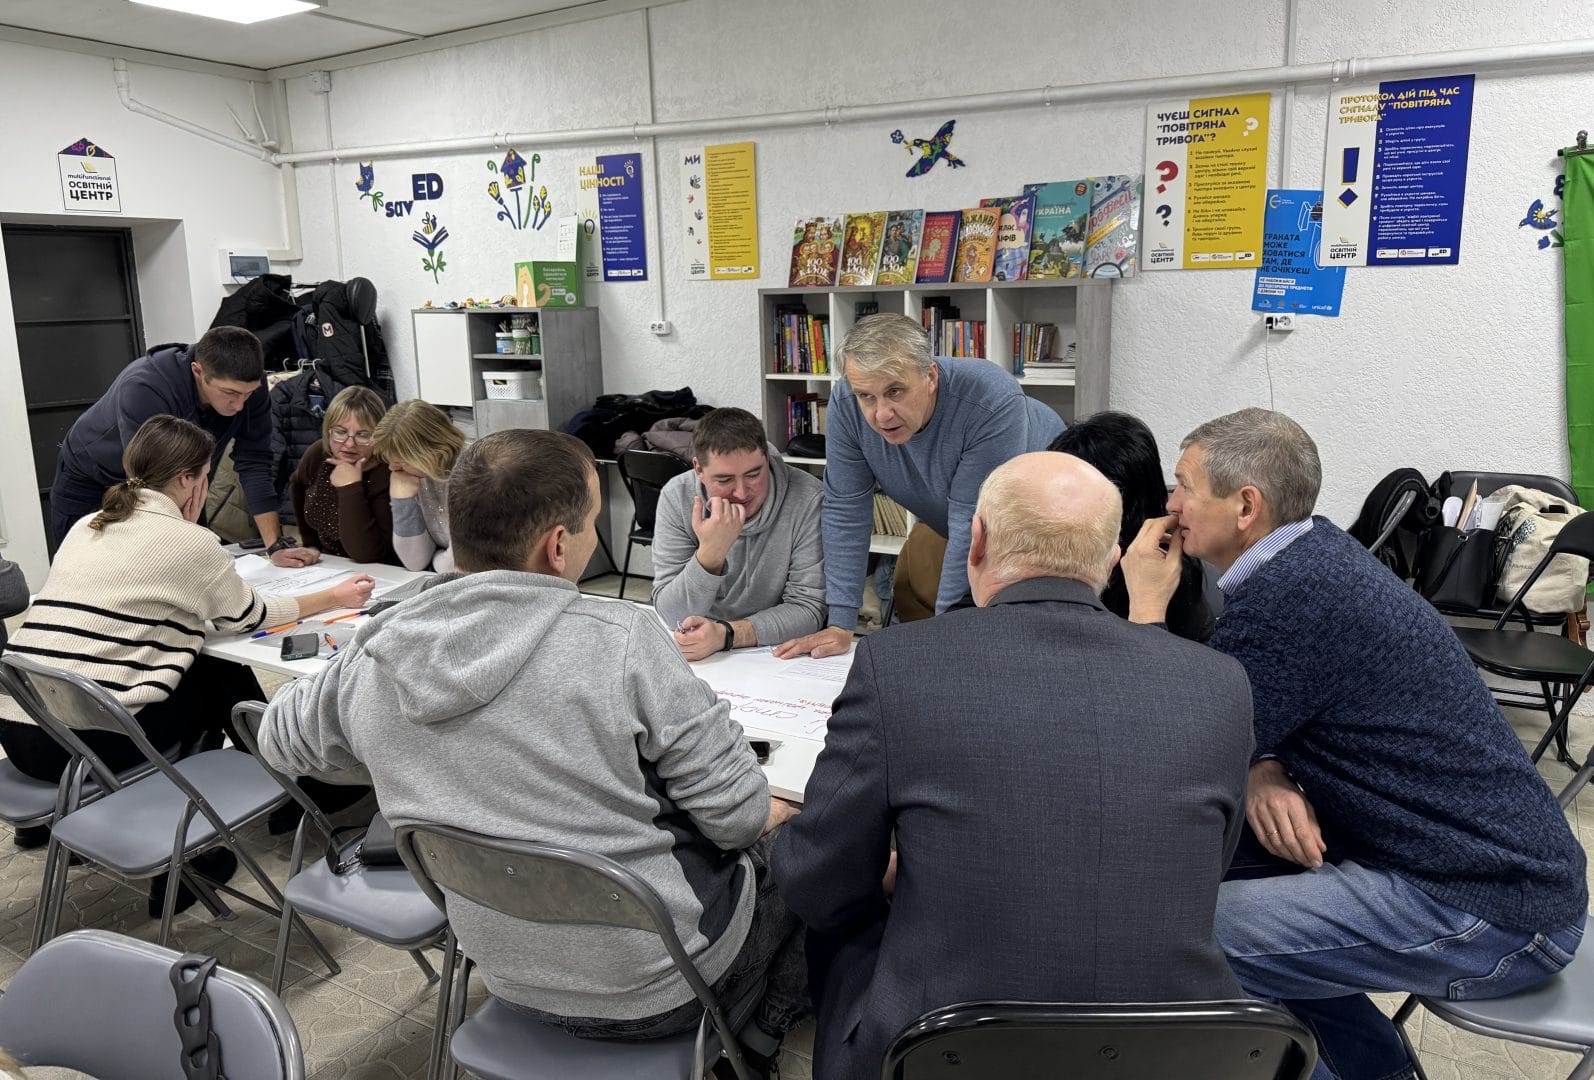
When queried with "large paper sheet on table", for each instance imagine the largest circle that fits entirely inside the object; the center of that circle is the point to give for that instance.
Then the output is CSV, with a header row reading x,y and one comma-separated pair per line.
x,y
788,697
272,580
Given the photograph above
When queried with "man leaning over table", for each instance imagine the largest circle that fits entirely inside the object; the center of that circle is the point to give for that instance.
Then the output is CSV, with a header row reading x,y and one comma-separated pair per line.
x,y
1409,843
736,554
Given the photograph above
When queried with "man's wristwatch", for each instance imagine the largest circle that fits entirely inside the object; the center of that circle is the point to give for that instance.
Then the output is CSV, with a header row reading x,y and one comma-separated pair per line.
x,y
730,635
282,543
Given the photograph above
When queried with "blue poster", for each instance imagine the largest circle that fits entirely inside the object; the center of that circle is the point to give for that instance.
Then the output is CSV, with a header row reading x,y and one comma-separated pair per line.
x,y
620,219
1289,279
1420,171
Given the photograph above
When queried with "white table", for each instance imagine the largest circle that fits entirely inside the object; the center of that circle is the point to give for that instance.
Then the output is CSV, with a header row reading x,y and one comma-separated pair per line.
x,y
788,700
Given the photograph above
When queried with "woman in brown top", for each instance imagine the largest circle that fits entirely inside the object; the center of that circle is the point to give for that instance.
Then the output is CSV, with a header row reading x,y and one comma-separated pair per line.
x,y
339,491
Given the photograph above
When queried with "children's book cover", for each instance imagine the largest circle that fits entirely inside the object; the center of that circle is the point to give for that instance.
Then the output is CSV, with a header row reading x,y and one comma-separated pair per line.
x,y
899,253
1012,235
976,250
1112,246
937,246
1059,225
815,251
860,253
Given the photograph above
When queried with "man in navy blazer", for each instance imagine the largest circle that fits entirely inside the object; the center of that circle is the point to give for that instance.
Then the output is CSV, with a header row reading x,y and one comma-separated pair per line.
x,y
1065,789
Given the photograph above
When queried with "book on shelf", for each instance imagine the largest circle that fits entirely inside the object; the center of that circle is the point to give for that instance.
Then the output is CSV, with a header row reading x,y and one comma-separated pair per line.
x,y
1032,344
899,252
805,415
937,247
1112,246
860,253
890,519
1058,228
1012,236
1046,364
976,248
865,308
815,251
951,335
801,341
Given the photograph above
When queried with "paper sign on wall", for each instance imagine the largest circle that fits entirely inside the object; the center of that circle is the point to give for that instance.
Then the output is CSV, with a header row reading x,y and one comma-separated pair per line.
x,y
1206,182
621,225
719,212
1395,172
1289,278
88,179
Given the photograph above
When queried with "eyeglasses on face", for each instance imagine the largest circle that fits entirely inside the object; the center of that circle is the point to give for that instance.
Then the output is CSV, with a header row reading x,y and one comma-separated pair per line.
x,y
361,438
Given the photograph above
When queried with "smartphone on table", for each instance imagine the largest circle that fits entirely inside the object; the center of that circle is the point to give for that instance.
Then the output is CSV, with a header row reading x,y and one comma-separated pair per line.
x,y
301,646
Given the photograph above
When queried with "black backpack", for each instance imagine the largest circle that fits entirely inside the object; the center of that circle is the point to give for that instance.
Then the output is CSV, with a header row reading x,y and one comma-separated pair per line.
x,y
1396,513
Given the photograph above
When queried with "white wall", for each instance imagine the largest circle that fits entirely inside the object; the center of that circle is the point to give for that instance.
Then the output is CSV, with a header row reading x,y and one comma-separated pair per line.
x,y
1434,368
183,197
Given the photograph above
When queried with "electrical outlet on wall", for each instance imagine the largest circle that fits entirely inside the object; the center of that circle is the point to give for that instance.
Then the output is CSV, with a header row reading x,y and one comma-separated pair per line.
x,y
660,327
1279,323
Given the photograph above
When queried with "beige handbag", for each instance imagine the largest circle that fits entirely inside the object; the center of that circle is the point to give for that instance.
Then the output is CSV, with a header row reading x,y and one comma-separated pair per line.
x,y
1531,521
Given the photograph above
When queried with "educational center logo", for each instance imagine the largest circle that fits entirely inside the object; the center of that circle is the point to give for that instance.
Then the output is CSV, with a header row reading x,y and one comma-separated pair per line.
x,y
88,179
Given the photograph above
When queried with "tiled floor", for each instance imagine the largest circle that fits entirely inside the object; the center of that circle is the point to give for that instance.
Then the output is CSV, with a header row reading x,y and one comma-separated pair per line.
x,y
374,1020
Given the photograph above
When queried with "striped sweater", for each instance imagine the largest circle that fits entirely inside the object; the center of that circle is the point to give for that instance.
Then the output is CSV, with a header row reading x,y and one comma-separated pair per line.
x,y
126,606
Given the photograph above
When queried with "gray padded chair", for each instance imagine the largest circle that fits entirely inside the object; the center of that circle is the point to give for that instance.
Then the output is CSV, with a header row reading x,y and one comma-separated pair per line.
x,y
546,884
383,903
152,825
103,1004
1557,1014
1193,1040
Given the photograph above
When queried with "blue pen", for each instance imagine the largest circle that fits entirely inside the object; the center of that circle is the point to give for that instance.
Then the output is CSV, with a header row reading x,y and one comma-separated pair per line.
x,y
275,629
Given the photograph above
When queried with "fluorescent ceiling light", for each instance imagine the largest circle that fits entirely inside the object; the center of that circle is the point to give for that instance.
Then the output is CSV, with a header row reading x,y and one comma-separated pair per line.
x,y
238,11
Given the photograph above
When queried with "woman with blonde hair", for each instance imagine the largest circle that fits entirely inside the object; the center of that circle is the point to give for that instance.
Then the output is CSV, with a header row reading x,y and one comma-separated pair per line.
x,y
340,489
126,604
419,443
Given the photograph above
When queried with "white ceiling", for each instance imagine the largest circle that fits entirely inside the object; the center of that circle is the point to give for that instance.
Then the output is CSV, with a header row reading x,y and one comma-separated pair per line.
x,y
342,26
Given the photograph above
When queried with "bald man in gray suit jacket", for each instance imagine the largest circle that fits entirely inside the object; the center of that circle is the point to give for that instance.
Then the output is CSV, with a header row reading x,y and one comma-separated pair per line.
x,y
1065,789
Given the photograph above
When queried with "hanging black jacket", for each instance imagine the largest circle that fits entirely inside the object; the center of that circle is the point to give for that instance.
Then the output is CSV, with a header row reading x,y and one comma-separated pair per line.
x,y
297,405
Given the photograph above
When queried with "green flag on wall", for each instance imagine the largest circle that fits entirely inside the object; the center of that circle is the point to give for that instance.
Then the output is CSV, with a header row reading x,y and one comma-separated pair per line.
x,y
1577,217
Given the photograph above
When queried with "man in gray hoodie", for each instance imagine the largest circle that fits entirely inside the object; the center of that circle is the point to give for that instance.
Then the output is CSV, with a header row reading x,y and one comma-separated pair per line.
x,y
736,552
503,701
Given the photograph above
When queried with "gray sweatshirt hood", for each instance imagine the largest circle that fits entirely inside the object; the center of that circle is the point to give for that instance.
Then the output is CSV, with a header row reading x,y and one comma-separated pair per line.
x,y
451,654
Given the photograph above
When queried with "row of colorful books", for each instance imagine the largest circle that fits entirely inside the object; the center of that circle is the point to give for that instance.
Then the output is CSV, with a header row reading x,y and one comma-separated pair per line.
x,y
805,415
950,334
802,341
1050,232
1032,344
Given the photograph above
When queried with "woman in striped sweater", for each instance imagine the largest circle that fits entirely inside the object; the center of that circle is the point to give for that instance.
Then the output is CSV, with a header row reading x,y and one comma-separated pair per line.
x,y
126,604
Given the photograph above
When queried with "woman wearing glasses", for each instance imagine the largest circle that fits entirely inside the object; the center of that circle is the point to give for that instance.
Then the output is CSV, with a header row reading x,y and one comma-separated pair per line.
x,y
340,489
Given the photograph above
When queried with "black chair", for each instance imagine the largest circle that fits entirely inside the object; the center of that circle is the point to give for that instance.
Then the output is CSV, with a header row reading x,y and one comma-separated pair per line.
x,y
1560,666
541,883
645,473
1200,1040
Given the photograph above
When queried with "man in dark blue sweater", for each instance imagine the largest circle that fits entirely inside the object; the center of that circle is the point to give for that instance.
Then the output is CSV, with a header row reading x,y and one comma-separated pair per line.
x,y
1414,846
216,383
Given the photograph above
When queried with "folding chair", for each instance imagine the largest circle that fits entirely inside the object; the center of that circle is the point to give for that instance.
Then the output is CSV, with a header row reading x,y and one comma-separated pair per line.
x,y
199,803
383,903
1204,1040
103,1004
545,884
645,473
1558,1014
1547,659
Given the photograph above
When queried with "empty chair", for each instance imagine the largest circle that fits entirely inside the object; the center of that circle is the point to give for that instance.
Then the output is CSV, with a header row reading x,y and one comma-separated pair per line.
x,y
1550,660
546,884
1557,1014
104,1004
1000,1040
383,903
645,473
153,825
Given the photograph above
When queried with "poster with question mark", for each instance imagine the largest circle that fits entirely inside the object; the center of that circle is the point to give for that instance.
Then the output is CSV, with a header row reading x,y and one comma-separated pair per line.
x,y
1206,182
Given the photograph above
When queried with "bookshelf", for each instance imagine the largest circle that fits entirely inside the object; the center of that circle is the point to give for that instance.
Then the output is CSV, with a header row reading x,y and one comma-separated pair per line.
x,y
1081,311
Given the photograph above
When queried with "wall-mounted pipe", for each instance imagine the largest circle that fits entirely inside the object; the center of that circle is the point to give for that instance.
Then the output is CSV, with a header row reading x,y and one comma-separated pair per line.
x,y
1461,60
289,175
124,90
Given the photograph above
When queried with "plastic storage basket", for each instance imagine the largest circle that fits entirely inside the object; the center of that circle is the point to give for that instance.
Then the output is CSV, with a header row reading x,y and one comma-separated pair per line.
x,y
518,385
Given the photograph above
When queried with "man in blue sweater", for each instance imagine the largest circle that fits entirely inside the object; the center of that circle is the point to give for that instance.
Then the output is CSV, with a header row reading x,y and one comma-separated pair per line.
x,y
926,431
216,383
1414,848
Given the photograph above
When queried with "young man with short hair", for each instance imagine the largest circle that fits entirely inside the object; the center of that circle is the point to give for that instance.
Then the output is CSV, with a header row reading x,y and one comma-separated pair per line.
x,y
218,383
504,701
736,553
1413,846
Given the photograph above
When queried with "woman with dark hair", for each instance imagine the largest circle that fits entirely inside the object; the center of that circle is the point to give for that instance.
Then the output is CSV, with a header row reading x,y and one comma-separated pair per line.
x,y
1124,450
126,604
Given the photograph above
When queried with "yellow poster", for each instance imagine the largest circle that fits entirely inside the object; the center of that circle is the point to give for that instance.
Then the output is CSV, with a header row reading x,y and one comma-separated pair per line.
x,y
1206,182
731,186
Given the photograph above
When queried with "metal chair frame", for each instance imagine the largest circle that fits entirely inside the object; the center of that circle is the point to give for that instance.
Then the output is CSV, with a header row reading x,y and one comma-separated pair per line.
x,y
1584,1070
639,533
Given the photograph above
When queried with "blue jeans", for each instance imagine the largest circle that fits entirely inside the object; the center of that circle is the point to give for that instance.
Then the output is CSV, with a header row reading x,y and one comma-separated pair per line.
x,y
1318,941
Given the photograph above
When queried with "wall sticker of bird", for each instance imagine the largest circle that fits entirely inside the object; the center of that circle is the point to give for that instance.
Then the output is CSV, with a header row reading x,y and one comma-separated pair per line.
x,y
929,150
